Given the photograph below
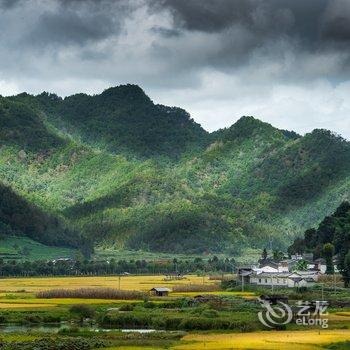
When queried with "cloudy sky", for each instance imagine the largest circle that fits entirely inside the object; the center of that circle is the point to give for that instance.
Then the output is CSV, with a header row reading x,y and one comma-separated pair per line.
x,y
284,61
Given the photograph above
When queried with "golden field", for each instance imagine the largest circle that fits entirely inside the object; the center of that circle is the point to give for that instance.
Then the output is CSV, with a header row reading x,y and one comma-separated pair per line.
x,y
268,340
19,293
140,283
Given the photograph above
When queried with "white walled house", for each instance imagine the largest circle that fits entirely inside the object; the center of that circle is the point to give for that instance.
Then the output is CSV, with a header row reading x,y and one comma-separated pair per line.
x,y
283,279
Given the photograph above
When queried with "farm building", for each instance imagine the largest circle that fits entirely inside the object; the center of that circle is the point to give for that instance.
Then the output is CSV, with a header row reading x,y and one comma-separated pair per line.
x,y
160,291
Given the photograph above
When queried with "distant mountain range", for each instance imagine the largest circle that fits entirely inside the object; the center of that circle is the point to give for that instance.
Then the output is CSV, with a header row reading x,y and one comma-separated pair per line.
x,y
118,170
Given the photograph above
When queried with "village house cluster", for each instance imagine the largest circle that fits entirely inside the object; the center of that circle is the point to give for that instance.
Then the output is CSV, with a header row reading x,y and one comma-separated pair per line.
x,y
284,272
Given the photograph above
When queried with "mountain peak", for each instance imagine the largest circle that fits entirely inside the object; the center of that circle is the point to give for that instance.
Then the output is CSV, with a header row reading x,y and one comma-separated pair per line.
x,y
128,92
245,127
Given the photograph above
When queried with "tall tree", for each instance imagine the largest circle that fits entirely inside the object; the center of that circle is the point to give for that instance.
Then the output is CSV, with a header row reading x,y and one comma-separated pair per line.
x,y
328,252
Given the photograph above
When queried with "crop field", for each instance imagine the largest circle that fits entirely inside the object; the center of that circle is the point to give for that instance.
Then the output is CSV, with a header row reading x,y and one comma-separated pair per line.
x,y
34,303
140,283
19,293
201,326
270,340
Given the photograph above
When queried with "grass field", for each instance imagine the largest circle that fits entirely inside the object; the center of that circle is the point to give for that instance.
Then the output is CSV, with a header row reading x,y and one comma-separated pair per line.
x,y
23,248
247,256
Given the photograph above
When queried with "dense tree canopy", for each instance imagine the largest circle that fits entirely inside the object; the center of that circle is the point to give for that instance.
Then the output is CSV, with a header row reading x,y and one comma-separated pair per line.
x,y
331,237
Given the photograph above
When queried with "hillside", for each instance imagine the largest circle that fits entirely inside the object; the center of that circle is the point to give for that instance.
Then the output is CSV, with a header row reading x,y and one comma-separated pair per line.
x,y
131,174
20,126
20,218
123,119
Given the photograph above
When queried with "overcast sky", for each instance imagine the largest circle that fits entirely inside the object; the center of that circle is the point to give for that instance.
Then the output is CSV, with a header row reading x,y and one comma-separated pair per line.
x,y
283,61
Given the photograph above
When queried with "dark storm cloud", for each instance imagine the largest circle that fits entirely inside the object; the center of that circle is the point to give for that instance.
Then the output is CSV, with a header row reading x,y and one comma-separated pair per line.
x,y
226,35
78,22
8,4
267,30
67,27
166,32
65,22
315,23
305,20
259,16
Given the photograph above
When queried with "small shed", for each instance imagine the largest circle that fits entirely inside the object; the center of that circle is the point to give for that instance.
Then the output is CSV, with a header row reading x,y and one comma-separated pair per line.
x,y
160,291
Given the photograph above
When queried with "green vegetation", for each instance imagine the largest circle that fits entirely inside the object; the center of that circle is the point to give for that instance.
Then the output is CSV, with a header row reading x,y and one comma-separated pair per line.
x,y
118,172
331,236
19,217
24,248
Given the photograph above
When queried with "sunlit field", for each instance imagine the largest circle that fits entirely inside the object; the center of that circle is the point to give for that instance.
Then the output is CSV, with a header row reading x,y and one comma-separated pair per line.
x,y
19,295
34,303
271,340
141,283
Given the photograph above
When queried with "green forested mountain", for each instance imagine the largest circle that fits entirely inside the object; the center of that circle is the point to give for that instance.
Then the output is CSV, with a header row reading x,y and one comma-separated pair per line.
x,y
131,174
124,120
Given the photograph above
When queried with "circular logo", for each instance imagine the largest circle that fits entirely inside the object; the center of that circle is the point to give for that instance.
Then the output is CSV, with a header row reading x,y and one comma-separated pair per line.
x,y
279,314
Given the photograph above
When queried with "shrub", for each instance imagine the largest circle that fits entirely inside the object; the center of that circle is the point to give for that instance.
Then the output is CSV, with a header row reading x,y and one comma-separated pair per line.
x,y
197,323
126,320
82,311
210,313
127,307
78,343
172,322
51,319
32,319
149,305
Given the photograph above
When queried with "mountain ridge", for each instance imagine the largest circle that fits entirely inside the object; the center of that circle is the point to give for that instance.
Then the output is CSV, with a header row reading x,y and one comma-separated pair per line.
x,y
186,190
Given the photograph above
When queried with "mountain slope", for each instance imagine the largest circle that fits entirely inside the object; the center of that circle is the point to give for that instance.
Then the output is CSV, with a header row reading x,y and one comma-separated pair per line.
x,y
135,175
22,127
20,218
123,119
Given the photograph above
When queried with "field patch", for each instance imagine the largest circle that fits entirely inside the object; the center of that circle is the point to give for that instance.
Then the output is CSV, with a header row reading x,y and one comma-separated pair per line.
x,y
24,305
140,283
268,340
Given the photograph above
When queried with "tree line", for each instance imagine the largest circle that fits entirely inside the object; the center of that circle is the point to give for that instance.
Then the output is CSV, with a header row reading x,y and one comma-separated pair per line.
x,y
330,240
113,267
